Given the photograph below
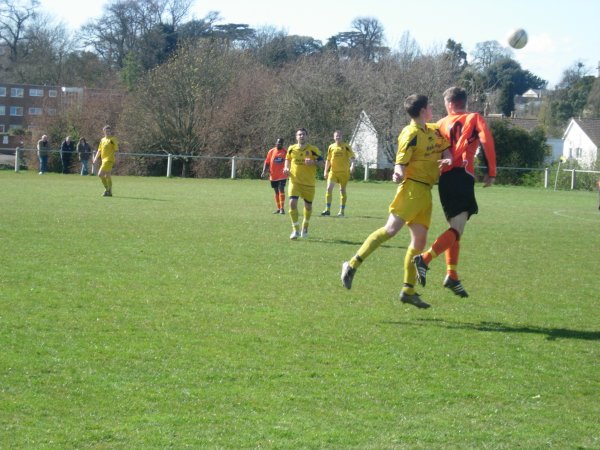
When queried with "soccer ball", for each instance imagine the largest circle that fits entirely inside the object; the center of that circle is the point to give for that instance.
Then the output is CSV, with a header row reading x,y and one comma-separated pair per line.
x,y
517,38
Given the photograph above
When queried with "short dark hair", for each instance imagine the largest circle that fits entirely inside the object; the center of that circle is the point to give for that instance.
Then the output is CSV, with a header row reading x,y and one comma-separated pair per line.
x,y
413,104
456,95
279,141
303,130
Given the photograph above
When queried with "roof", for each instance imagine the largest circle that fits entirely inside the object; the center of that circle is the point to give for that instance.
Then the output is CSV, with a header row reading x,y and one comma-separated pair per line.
x,y
591,127
527,124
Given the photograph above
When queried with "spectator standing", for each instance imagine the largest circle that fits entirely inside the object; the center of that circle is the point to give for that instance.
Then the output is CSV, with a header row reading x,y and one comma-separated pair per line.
x,y
43,150
85,152
67,149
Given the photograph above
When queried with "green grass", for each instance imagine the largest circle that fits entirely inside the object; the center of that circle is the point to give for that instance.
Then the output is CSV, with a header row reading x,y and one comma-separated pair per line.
x,y
178,314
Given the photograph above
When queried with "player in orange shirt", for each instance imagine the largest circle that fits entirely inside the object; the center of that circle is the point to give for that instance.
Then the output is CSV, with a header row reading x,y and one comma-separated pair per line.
x,y
275,161
466,132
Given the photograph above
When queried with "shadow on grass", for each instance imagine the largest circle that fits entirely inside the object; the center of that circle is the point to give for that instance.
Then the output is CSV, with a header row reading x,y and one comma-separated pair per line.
x,y
354,243
382,218
551,334
124,197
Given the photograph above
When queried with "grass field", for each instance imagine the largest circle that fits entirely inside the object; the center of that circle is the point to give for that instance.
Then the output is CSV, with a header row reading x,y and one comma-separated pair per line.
x,y
178,314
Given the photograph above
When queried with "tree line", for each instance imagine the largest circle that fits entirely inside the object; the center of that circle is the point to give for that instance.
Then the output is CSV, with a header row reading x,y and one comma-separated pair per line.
x,y
203,87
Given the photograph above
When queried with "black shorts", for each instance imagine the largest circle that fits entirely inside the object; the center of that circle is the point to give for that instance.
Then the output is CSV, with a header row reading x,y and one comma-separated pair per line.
x,y
457,193
279,185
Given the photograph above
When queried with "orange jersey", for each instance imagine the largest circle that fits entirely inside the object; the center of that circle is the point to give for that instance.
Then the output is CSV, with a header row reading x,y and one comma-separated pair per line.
x,y
276,161
465,132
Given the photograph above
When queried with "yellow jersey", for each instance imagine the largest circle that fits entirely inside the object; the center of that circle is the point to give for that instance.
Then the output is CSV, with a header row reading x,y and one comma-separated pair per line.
x,y
108,147
300,173
419,149
340,156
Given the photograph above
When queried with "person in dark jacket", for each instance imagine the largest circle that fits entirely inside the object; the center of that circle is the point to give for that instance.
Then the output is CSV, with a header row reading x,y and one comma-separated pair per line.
x,y
43,150
85,153
67,149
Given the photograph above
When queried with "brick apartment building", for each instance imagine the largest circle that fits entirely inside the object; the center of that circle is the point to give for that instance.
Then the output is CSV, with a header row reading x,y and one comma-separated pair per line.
x,y
20,105
26,106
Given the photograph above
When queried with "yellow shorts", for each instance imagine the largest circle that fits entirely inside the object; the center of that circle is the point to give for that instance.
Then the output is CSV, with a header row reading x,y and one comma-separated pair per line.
x,y
412,203
107,166
301,190
340,178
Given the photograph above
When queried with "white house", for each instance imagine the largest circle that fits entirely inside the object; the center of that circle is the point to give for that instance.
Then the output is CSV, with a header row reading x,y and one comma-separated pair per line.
x,y
529,124
581,140
367,145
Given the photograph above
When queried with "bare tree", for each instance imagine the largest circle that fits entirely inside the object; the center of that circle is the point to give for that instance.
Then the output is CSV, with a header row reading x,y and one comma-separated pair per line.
x,y
370,37
127,26
487,53
365,40
48,49
175,107
14,18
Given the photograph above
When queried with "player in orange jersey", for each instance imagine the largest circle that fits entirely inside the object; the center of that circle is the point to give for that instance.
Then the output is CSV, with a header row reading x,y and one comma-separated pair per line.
x,y
275,162
466,132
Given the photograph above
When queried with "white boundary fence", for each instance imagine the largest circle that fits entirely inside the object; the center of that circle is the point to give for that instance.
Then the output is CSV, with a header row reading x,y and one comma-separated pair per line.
x,y
17,158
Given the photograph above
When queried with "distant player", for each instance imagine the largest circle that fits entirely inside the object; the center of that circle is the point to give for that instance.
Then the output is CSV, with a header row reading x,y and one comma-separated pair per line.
x,y
275,163
338,168
466,132
107,149
417,169
301,163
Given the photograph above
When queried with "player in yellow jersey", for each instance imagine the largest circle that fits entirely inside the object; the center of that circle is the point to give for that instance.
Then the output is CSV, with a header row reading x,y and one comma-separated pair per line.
x,y
420,147
338,168
301,166
107,149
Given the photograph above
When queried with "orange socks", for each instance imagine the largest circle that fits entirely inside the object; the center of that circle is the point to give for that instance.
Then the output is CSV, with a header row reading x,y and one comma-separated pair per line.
x,y
441,244
452,260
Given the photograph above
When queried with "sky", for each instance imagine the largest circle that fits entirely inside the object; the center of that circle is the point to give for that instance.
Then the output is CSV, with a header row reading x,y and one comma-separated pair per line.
x,y
560,34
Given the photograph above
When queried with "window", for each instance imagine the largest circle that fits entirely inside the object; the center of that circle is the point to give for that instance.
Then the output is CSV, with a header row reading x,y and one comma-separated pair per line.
x,y
17,92
2,110
5,139
36,92
16,110
51,111
52,93
35,111
2,92
578,152
1,128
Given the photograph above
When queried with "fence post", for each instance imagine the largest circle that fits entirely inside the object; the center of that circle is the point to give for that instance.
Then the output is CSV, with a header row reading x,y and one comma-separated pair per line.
x,y
17,156
233,160
169,165
546,175
572,179
366,171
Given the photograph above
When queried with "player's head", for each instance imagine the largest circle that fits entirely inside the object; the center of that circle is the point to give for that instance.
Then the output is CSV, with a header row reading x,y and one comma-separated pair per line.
x,y
337,135
455,99
301,134
279,143
44,137
415,104
106,129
